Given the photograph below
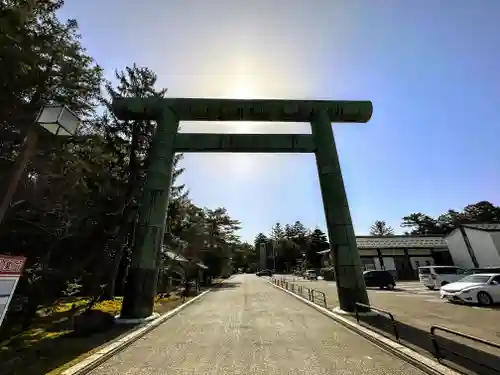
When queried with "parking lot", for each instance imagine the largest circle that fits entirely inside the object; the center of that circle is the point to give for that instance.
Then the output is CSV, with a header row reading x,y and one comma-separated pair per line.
x,y
416,309
414,304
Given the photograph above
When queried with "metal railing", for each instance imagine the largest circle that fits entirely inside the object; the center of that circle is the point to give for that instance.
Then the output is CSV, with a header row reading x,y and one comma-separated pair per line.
x,y
311,295
314,292
308,290
380,311
437,348
299,289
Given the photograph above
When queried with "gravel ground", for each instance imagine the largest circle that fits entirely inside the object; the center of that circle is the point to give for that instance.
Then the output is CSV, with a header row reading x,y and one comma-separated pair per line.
x,y
248,327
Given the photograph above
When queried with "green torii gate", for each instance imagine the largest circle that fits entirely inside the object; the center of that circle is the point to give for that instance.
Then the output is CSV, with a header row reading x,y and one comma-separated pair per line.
x,y
138,301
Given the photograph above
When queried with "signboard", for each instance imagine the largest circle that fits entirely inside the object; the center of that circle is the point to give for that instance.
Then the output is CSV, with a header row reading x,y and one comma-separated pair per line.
x,y
11,269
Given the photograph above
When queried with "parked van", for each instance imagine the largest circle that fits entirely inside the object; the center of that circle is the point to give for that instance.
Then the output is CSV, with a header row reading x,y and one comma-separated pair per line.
x,y
434,277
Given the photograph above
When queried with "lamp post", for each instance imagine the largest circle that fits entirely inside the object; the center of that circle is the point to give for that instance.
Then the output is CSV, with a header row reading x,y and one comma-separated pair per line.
x,y
56,119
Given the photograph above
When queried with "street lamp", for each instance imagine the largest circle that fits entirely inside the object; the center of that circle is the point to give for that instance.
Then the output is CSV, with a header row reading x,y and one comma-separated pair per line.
x,y
58,120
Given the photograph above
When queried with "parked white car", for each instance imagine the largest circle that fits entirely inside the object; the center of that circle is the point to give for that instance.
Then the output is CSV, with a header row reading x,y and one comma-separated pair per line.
x,y
483,289
434,277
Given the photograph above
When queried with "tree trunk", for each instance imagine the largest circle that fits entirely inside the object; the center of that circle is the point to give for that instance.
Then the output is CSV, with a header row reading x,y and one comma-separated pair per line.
x,y
122,273
125,228
122,243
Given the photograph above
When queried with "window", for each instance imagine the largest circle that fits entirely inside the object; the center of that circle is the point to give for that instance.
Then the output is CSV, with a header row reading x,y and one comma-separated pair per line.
x,y
447,270
497,279
476,279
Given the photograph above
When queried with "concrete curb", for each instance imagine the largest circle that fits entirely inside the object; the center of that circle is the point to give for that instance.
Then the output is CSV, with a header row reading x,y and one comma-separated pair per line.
x,y
427,365
90,363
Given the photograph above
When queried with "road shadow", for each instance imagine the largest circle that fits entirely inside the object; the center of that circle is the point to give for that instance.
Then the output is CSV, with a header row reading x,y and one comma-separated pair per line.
x,y
458,355
224,286
396,289
43,356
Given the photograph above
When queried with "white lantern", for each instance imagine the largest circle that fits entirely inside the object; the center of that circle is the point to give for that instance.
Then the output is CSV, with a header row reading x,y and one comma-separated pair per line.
x,y
58,119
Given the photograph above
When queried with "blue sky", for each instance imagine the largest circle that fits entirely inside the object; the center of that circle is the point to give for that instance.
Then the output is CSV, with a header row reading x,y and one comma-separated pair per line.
x,y
431,69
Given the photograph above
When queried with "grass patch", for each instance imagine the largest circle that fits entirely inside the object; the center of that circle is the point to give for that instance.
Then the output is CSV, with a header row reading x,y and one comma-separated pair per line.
x,y
49,346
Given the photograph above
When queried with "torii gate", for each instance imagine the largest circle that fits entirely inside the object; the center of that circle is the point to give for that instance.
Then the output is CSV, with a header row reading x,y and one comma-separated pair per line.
x,y
138,301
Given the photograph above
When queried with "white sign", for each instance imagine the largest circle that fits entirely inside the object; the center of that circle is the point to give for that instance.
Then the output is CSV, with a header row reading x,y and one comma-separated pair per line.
x,y
11,269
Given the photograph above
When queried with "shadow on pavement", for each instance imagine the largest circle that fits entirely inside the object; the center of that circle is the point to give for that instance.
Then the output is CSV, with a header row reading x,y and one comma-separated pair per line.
x,y
395,290
226,285
48,354
385,289
455,354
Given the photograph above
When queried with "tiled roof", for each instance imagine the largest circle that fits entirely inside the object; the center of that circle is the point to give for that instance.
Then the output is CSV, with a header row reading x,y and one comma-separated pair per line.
x,y
372,242
489,227
394,242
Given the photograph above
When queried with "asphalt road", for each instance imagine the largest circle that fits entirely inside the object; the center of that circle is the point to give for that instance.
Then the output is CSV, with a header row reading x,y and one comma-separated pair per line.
x,y
414,304
249,327
416,309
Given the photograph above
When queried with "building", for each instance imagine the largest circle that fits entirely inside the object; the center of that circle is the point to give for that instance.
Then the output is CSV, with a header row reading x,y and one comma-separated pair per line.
x,y
475,245
402,255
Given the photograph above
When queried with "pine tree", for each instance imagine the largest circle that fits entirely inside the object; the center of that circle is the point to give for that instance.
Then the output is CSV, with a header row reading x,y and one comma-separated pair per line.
x,y
42,62
130,141
380,228
277,233
317,242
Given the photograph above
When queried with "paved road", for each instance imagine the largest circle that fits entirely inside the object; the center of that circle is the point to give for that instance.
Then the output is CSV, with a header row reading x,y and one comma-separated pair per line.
x,y
416,309
415,305
248,327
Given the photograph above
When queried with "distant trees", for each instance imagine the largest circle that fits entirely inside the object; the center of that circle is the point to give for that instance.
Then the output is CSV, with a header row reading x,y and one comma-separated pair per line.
x,y
380,228
292,244
420,224
480,212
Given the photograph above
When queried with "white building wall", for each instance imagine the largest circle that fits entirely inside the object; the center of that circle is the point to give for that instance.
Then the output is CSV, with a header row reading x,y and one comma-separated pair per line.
x,y
484,248
495,236
389,263
458,250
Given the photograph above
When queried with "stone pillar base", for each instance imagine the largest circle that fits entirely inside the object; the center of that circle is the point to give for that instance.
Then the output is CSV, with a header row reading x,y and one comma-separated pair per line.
x,y
119,320
338,310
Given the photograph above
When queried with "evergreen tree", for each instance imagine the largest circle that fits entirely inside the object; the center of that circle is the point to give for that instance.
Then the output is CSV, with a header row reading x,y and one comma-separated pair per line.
x,y
380,228
290,231
277,232
130,142
317,242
